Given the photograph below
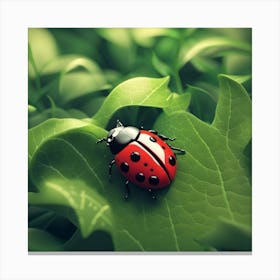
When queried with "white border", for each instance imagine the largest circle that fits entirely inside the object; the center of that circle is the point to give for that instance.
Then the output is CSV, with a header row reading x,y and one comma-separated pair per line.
x,y
262,16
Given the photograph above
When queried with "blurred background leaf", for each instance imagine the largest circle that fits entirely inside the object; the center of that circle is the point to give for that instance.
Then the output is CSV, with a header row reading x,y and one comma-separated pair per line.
x,y
42,49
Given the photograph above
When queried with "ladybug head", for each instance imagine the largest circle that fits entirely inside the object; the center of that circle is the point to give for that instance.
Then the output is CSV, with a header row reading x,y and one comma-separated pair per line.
x,y
120,136
114,132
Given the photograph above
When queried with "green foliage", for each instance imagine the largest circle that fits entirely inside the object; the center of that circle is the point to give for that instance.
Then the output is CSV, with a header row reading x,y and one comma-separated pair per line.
x,y
182,82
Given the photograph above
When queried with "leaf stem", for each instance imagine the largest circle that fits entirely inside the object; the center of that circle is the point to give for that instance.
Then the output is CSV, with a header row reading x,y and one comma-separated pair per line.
x,y
178,82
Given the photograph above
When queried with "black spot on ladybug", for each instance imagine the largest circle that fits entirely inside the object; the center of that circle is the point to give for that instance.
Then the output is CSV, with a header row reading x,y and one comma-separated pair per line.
x,y
140,177
151,169
135,156
145,164
153,180
172,160
153,139
124,167
163,147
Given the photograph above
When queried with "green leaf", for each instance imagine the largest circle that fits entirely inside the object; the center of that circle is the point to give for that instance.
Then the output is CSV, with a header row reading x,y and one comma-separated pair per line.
x,y
200,46
40,240
51,127
178,102
234,125
228,236
139,91
76,84
58,64
43,49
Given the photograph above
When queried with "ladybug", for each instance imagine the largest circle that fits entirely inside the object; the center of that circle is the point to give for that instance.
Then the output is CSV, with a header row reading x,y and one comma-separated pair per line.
x,y
142,156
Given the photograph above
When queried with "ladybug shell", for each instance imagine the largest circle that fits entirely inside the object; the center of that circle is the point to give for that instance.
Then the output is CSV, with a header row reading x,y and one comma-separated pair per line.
x,y
147,162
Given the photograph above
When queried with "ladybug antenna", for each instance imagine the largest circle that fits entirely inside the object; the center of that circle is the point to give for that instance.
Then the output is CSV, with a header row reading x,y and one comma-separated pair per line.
x,y
119,123
101,140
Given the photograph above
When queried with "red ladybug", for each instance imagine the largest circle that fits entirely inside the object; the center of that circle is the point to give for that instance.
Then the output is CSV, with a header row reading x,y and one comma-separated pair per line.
x,y
142,157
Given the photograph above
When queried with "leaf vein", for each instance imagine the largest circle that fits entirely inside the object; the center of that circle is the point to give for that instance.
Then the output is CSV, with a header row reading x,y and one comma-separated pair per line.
x,y
152,92
172,226
99,215
133,239
218,170
83,158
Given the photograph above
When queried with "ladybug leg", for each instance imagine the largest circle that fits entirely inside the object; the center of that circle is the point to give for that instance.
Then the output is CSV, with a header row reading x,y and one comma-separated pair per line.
x,y
177,149
127,190
152,193
163,137
110,169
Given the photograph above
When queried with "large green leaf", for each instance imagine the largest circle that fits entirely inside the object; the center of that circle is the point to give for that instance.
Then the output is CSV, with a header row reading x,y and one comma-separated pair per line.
x,y
210,182
134,92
